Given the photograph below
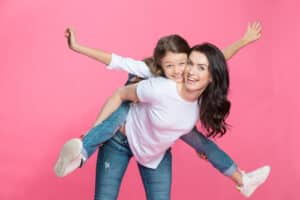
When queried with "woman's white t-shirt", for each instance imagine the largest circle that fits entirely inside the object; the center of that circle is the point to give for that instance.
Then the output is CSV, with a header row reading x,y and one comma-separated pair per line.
x,y
160,117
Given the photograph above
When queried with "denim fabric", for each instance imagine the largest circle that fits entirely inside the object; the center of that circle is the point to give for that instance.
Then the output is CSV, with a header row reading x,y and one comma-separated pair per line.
x,y
218,158
105,130
112,162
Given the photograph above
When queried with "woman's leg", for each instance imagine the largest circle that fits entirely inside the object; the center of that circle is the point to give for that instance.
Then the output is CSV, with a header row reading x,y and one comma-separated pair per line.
x,y
217,157
112,163
247,183
157,182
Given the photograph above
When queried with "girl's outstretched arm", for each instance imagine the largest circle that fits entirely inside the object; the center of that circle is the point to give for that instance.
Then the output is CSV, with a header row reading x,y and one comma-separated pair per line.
x,y
102,56
113,61
146,91
125,93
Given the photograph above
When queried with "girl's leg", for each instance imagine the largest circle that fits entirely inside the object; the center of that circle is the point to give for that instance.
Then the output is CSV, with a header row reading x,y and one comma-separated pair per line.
x,y
112,162
75,152
157,182
104,131
247,183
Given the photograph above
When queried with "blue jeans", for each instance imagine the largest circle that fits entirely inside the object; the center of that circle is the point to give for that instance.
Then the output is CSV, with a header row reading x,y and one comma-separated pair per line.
x,y
112,163
217,157
106,129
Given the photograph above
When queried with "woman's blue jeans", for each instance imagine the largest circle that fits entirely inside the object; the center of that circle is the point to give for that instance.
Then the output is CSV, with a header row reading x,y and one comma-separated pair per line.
x,y
105,133
112,162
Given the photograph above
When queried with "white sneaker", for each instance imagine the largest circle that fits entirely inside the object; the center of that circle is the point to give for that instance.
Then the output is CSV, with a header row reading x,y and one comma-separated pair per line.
x,y
69,158
252,180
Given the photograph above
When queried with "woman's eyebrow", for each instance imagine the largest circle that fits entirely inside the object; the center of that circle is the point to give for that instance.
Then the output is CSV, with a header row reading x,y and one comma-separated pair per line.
x,y
202,64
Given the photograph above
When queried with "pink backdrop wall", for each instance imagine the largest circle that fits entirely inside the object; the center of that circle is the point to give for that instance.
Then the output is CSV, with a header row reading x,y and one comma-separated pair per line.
x,y
50,94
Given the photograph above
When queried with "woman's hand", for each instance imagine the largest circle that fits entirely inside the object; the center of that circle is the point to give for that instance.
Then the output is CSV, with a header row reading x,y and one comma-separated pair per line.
x,y
202,156
253,32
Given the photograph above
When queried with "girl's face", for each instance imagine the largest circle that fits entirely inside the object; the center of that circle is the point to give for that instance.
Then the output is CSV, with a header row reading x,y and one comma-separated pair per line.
x,y
173,65
197,75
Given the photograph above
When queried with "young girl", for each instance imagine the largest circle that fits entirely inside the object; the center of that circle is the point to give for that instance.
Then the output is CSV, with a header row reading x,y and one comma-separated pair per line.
x,y
217,157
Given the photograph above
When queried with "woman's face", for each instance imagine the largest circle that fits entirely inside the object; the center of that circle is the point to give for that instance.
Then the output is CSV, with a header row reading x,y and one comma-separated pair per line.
x,y
197,75
173,65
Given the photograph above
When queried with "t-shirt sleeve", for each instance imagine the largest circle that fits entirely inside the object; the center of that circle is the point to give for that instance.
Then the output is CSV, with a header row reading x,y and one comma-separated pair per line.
x,y
149,91
136,67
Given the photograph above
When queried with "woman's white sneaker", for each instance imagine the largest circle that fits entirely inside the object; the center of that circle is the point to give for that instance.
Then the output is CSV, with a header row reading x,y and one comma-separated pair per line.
x,y
252,180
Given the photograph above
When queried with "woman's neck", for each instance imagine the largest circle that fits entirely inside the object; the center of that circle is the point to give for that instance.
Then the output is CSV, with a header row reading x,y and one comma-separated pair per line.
x,y
187,94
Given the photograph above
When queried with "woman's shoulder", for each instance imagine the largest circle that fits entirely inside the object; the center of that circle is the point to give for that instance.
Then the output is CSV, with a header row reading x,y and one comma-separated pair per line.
x,y
162,82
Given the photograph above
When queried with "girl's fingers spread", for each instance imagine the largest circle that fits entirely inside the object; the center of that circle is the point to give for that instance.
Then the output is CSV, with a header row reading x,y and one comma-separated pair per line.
x,y
67,31
71,30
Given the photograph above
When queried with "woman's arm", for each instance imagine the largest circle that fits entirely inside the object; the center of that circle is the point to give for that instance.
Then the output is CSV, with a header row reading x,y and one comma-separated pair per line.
x,y
252,34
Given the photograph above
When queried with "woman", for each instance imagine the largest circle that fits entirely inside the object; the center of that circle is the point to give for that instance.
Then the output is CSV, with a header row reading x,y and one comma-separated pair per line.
x,y
195,135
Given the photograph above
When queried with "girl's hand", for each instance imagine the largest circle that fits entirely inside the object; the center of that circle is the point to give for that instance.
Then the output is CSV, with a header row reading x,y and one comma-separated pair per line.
x,y
71,37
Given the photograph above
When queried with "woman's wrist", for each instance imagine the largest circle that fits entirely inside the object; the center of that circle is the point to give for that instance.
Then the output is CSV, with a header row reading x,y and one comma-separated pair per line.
x,y
244,41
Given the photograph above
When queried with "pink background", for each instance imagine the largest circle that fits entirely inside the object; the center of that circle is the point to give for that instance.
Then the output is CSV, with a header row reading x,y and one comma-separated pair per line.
x,y
50,94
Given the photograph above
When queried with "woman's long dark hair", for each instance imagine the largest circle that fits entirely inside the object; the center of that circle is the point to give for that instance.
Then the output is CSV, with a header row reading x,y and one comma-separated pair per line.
x,y
214,105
